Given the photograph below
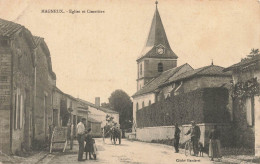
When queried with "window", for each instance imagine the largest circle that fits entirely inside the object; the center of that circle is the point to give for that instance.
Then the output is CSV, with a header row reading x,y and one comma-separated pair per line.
x,y
250,111
160,67
150,102
137,107
15,111
21,112
141,69
142,104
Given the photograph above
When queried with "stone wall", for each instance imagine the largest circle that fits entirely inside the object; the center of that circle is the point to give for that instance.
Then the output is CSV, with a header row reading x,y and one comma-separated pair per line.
x,y
246,135
167,132
44,86
257,128
5,92
23,78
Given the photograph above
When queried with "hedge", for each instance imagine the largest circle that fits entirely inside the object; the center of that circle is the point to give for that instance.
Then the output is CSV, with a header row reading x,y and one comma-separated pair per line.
x,y
207,105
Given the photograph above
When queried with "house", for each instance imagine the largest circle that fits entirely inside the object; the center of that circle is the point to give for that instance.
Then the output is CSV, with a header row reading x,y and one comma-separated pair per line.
x,y
16,62
99,113
45,82
26,81
246,101
95,127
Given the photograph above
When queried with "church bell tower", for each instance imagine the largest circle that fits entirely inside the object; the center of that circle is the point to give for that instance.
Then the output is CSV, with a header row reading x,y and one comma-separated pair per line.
x,y
157,55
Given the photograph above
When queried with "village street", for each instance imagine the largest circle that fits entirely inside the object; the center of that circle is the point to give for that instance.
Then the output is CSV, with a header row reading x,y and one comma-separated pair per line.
x,y
127,152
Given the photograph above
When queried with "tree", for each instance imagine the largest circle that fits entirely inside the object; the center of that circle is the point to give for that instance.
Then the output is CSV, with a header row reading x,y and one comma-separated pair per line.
x,y
121,102
105,105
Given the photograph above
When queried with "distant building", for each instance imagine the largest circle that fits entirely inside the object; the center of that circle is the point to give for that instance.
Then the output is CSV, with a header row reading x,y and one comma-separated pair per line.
x,y
99,113
246,102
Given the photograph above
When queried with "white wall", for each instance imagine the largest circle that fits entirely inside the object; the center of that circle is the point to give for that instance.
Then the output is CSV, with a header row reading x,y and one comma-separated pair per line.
x,y
101,115
167,132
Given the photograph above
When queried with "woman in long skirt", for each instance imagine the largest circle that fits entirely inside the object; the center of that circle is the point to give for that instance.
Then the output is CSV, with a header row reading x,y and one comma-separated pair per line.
x,y
214,144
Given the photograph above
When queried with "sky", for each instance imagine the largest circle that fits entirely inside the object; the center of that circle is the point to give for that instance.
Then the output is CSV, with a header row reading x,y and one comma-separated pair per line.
x,y
94,54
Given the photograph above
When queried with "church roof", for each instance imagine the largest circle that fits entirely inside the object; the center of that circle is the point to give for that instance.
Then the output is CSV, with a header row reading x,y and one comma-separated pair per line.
x,y
211,70
154,84
157,37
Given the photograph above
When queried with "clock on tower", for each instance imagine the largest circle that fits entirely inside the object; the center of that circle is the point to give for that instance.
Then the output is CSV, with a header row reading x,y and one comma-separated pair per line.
x,y
160,51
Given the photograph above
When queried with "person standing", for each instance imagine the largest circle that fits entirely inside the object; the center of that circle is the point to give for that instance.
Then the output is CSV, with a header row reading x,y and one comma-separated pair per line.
x,y
94,149
81,137
176,138
195,136
89,144
214,143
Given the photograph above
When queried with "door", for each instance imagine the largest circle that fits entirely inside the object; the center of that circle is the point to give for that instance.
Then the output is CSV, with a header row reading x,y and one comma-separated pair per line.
x,y
55,117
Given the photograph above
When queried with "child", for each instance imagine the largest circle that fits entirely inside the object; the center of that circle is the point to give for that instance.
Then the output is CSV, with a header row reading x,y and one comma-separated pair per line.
x,y
89,145
94,149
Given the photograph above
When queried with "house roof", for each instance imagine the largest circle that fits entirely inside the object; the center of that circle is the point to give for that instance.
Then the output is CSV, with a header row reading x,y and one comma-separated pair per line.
x,y
211,70
8,28
106,110
37,40
162,78
244,62
156,37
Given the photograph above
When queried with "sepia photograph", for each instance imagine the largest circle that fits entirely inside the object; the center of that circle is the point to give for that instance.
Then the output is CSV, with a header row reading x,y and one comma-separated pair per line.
x,y
129,81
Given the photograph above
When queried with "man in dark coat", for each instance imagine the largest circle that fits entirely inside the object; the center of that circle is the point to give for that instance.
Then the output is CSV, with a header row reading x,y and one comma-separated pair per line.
x,y
195,136
177,138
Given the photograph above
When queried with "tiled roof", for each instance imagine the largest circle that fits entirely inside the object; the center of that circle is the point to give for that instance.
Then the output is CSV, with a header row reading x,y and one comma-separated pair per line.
x,y
211,70
157,36
37,39
244,62
106,110
8,28
156,82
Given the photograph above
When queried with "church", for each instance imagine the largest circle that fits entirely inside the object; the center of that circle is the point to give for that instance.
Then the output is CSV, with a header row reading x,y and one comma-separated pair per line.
x,y
161,81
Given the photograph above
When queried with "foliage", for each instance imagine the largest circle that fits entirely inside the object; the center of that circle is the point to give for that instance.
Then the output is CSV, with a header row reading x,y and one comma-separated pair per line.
x,y
110,120
207,105
121,102
253,54
246,89
106,105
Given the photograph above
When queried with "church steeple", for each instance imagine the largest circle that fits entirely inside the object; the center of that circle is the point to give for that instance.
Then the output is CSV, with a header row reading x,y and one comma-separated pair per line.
x,y
157,38
157,55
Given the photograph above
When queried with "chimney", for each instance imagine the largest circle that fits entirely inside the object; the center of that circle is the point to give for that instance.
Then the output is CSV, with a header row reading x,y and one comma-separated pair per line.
x,y
97,101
